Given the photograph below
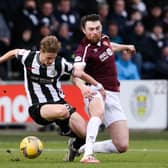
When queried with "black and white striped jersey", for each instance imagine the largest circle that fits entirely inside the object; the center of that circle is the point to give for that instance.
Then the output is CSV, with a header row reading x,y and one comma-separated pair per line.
x,y
42,82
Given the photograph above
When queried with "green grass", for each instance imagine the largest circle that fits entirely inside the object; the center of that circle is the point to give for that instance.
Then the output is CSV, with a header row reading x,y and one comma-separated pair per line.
x,y
146,150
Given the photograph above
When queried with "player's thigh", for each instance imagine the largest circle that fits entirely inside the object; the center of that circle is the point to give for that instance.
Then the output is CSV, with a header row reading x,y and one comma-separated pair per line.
x,y
113,109
53,111
119,133
96,106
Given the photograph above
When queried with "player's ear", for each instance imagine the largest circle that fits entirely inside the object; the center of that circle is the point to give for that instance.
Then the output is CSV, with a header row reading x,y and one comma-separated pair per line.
x,y
83,30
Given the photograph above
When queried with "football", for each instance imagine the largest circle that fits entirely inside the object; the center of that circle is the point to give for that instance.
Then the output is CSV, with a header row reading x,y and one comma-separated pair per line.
x,y
31,147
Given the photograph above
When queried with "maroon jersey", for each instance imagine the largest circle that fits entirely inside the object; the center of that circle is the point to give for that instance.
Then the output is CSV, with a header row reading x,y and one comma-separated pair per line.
x,y
100,62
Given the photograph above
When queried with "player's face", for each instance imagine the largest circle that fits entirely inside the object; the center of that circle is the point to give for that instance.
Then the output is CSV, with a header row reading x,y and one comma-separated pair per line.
x,y
93,31
47,58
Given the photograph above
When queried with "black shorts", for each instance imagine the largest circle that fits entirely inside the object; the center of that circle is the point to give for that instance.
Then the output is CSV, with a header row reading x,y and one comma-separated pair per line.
x,y
34,112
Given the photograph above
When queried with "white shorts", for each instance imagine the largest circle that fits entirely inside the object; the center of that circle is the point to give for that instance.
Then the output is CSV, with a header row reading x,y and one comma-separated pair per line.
x,y
113,108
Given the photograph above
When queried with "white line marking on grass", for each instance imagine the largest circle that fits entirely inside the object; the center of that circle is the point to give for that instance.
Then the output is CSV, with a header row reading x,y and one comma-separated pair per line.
x,y
47,150
148,150
64,150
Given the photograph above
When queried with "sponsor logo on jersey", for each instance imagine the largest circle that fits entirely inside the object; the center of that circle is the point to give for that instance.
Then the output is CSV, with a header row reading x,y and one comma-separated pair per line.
x,y
106,54
78,59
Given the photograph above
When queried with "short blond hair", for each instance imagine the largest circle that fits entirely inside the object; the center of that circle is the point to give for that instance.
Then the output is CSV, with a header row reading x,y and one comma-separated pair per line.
x,y
50,44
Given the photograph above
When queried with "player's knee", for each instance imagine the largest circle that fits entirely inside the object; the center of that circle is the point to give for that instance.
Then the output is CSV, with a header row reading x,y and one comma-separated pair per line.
x,y
99,114
122,147
77,121
74,120
64,112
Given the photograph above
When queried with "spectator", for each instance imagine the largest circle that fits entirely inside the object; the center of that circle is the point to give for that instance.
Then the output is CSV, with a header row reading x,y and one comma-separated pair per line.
x,y
119,15
5,38
47,15
27,41
65,14
162,64
153,17
157,39
103,11
154,46
5,35
135,16
86,6
112,31
165,21
44,30
67,47
10,7
27,18
140,6
127,70
139,38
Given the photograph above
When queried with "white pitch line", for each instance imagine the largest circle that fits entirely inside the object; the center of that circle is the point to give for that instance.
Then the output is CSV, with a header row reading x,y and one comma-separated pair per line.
x,y
64,150
46,149
148,150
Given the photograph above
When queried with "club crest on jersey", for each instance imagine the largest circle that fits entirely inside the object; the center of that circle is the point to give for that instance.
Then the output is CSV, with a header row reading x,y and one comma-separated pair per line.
x,y
78,59
106,54
109,51
53,73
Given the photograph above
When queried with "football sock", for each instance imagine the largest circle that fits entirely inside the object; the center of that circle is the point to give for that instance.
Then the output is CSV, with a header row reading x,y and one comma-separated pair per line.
x,y
102,147
78,142
105,147
92,131
63,124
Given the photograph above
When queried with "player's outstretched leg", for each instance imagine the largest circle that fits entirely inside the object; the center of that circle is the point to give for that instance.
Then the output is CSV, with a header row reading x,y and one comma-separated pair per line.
x,y
72,150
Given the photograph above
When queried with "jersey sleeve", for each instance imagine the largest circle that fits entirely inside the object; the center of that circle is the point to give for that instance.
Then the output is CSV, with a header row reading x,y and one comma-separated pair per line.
x,y
80,57
22,55
67,66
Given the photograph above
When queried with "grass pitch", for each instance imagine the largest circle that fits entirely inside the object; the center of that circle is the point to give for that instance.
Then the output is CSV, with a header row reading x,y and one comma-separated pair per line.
x,y
146,150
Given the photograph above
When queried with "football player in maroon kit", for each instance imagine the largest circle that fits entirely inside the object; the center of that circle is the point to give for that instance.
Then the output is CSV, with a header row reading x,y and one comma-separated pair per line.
x,y
95,56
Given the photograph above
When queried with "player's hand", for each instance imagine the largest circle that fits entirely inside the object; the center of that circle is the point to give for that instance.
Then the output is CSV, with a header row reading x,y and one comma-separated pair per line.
x,y
131,49
103,93
87,92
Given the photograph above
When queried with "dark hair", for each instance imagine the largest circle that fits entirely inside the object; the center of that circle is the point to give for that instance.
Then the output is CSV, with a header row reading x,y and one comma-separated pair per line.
x,y
90,17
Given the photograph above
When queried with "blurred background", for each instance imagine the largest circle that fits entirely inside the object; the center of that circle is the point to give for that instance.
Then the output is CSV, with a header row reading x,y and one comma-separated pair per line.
x,y
143,76
143,23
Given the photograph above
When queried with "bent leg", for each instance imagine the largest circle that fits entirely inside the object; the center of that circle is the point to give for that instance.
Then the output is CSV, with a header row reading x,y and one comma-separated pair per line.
x,y
118,142
119,133
78,125
52,112
96,110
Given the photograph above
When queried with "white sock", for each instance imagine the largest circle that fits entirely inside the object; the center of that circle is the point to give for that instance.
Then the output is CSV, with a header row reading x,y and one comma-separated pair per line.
x,y
92,131
102,147
105,147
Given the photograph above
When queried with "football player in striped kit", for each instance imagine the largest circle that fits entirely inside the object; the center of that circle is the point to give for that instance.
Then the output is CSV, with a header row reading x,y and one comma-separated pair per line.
x,y
42,72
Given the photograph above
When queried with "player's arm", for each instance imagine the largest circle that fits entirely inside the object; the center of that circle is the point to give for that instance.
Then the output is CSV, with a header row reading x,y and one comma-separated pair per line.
x,y
79,73
85,90
120,47
9,55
